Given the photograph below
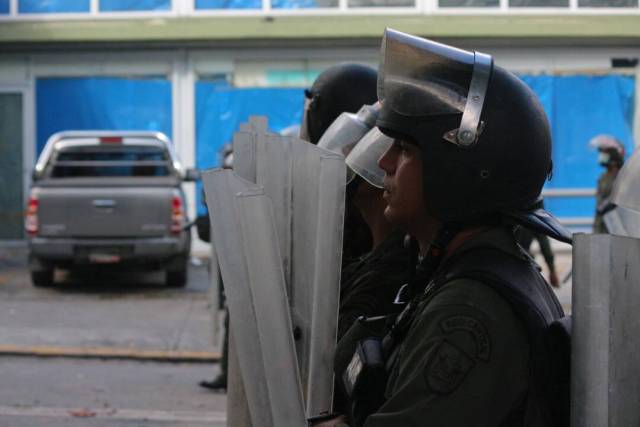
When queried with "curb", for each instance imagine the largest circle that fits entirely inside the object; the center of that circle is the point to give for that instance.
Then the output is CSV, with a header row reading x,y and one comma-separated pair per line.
x,y
173,356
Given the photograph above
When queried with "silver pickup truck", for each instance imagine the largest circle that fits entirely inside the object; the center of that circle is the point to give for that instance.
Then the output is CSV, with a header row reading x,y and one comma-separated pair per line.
x,y
113,198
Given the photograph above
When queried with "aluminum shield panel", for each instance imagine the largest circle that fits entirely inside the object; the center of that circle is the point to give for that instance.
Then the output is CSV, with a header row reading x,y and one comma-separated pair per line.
x,y
306,185
317,223
626,189
606,331
244,234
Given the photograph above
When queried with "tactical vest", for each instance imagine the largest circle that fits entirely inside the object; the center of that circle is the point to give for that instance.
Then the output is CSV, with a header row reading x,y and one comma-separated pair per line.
x,y
519,282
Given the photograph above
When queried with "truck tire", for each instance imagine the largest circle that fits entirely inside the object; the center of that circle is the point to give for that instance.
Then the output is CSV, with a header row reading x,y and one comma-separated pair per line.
x,y
42,278
176,279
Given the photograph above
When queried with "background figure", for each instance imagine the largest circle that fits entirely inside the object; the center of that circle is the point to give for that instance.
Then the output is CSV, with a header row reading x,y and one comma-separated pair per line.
x,y
611,157
218,383
525,237
339,89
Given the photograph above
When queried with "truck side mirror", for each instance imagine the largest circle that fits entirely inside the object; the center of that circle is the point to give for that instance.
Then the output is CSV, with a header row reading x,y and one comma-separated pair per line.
x,y
192,175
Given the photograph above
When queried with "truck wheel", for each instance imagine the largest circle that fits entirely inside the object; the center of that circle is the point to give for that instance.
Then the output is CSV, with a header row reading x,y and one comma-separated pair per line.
x,y
42,278
177,279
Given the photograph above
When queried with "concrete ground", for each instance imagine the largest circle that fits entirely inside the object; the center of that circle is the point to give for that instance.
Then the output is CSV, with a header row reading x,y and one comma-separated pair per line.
x,y
147,345
75,392
103,309
562,253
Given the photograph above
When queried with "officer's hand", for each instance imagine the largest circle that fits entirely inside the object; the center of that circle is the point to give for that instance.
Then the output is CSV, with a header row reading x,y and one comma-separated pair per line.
x,y
339,421
553,279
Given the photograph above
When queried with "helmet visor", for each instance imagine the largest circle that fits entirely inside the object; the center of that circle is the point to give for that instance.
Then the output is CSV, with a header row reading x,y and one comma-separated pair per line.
x,y
345,131
420,77
363,159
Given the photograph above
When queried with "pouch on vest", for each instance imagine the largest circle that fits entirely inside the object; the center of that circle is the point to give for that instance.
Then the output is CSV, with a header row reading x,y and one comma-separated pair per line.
x,y
360,369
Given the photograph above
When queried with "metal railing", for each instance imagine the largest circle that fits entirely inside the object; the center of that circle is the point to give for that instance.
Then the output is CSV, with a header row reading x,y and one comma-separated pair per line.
x,y
579,222
326,7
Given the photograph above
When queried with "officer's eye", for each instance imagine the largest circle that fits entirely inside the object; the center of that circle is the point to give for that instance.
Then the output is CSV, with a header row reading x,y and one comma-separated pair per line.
x,y
403,146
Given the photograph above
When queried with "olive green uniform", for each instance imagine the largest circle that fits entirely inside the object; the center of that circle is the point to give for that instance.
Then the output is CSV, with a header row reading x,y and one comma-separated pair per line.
x,y
465,358
370,284
605,185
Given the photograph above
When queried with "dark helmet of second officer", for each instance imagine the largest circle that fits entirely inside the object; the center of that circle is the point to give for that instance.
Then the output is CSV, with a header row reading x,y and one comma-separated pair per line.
x,y
340,88
484,138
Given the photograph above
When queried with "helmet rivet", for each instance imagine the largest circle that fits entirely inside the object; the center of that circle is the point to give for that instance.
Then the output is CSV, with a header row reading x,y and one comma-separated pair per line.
x,y
466,137
484,173
476,97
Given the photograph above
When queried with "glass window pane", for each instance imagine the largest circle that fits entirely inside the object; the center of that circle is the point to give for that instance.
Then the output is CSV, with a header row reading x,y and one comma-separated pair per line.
x,y
607,3
302,4
469,3
381,3
11,141
52,6
122,5
4,7
228,4
538,3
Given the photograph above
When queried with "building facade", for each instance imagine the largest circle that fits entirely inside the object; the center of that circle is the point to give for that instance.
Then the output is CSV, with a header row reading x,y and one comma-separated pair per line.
x,y
195,68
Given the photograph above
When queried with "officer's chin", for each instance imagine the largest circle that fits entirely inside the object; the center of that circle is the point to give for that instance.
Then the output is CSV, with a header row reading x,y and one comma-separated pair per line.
x,y
393,216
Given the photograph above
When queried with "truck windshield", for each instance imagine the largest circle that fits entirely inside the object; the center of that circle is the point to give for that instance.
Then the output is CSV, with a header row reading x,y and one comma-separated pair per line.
x,y
110,161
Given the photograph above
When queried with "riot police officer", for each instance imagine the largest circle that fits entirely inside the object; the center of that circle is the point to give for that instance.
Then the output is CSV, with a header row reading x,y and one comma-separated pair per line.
x,y
611,158
471,152
341,88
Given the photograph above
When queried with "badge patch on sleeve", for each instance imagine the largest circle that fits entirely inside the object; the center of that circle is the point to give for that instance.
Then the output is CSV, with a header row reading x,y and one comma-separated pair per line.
x,y
447,368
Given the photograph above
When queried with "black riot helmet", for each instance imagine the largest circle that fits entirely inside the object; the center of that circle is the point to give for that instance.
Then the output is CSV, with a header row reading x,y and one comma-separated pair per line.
x,y
340,88
484,137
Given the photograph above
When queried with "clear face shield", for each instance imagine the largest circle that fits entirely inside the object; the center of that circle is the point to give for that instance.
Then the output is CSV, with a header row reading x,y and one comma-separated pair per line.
x,y
363,159
345,131
419,77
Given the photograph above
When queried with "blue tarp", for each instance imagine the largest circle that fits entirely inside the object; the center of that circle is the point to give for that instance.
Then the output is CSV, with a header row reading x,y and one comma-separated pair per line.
x,y
228,4
101,103
53,6
4,7
220,109
124,5
580,107
294,4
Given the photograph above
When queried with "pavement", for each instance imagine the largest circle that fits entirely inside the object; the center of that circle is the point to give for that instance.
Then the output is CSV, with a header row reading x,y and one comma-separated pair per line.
x,y
104,313
106,349
106,393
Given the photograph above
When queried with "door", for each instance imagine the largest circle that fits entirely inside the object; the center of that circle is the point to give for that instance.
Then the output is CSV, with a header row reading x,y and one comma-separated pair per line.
x,y
11,164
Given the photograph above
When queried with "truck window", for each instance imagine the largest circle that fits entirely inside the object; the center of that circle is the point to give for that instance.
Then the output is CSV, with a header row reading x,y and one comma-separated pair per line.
x,y
110,161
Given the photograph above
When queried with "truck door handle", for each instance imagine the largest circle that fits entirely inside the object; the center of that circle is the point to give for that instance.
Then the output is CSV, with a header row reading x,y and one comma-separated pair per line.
x,y
104,203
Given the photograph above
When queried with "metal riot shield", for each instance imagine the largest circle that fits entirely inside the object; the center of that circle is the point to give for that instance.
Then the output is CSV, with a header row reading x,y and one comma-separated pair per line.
x,y
623,217
318,198
243,229
306,185
606,331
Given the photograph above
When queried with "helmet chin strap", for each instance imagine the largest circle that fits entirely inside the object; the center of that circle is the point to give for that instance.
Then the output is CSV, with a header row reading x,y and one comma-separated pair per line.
x,y
428,263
